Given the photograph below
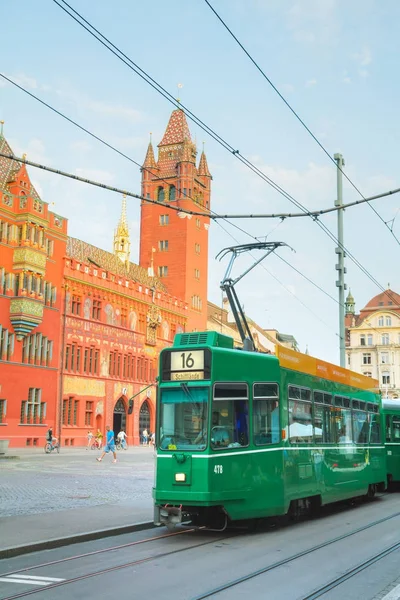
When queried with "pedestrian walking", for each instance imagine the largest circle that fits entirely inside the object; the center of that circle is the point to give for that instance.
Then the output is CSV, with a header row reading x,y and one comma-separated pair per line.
x,y
99,438
145,435
110,445
89,440
122,438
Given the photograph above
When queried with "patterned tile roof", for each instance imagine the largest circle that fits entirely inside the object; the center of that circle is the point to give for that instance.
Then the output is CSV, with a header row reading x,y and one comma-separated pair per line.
x,y
203,166
150,161
177,129
85,253
9,168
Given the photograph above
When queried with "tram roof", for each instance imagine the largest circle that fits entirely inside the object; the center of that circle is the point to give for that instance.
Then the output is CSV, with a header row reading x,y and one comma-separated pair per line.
x,y
304,363
390,404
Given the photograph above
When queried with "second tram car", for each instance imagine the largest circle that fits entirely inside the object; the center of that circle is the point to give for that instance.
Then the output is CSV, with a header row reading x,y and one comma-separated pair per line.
x,y
391,423
244,435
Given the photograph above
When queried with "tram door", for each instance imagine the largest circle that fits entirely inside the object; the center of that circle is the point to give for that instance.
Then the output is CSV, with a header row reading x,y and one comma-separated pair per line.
x,y
144,419
119,417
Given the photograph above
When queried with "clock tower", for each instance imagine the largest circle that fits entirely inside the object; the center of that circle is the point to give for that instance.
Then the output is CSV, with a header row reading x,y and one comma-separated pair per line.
x,y
172,242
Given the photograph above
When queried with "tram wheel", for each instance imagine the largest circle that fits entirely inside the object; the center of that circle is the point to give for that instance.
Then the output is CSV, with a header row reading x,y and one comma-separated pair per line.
x,y
371,491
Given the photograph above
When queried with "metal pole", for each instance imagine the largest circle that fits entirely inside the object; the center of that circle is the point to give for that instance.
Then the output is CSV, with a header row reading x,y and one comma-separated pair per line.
x,y
62,354
341,254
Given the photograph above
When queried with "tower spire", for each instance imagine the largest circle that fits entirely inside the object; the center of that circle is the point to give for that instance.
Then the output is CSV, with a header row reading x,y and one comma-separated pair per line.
x,y
203,166
122,244
150,161
350,304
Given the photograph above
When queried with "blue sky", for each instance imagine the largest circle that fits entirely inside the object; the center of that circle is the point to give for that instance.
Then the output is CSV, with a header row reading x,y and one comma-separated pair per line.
x,y
335,62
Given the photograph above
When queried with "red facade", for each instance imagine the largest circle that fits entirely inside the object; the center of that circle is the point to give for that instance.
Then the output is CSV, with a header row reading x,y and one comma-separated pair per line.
x,y
32,247
81,329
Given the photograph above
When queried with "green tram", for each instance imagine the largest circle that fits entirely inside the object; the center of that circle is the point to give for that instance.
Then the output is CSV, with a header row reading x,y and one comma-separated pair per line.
x,y
391,416
244,435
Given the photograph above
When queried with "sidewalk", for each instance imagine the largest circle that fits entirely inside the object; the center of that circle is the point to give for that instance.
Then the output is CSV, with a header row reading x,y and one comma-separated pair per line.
x,y
97,499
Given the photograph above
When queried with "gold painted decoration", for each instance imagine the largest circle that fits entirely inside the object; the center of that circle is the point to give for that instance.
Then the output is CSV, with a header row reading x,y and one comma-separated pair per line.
x,y
84,386
26,307
29,259
153,320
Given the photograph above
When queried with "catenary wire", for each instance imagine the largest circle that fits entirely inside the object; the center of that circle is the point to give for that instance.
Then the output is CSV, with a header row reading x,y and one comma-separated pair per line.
x,y
130,194
104,186
208,130
283,285
299,118
137,164
315,213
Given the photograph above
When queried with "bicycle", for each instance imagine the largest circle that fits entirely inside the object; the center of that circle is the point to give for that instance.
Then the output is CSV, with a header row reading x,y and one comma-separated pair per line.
x,y
120,446
96,445
50,446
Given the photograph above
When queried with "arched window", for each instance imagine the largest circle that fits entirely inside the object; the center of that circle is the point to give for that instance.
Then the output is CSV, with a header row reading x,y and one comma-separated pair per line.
x,y
172,193
380,322
160,194
144,419
388,321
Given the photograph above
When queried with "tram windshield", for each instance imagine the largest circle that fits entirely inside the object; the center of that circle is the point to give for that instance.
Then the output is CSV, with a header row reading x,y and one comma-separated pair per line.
x,y
183,418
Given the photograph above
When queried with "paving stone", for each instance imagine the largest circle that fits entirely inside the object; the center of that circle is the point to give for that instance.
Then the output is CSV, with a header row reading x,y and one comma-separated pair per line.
x,y
38,483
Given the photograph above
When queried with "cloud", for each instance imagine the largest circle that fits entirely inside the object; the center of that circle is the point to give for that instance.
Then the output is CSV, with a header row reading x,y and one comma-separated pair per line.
x,y
364,57
95,174
288,88
313,186
80,146
312,21
311,83
99,107
24,81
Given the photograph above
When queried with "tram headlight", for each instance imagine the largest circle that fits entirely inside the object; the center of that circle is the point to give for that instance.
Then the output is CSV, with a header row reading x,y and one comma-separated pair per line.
x,y
180,477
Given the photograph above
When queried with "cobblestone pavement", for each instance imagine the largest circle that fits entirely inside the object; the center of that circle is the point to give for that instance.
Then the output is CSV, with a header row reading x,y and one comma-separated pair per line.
x,y
40,482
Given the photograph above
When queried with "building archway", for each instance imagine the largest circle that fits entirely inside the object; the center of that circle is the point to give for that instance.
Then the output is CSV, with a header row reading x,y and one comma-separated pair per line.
x,y
119,416
144,418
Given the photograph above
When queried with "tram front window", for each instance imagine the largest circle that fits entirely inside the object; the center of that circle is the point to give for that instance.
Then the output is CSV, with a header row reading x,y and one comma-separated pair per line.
x,y
183,418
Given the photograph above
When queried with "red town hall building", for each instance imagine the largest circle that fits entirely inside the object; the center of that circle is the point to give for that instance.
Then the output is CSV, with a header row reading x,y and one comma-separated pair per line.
x,y
81,328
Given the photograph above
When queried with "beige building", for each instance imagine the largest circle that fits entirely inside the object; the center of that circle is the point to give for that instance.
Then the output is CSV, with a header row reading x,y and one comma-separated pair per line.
x,y
221,320
373,340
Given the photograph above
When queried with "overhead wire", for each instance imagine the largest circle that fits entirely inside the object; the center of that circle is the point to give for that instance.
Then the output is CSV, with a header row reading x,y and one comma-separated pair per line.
x,y
133,66
298,117
166,206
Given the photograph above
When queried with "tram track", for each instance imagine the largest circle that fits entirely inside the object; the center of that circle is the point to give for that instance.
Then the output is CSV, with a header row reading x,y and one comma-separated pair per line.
x,y
317,593
351,573
97,552
99,572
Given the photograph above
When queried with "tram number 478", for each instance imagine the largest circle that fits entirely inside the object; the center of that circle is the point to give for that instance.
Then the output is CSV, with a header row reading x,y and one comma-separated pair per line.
x,y
218,469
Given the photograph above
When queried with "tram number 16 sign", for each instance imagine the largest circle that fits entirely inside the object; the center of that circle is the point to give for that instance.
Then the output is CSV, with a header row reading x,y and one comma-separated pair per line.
x,y
186,365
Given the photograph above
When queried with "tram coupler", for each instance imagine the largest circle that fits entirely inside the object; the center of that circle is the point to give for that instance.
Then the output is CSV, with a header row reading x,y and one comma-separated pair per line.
x,y
167,515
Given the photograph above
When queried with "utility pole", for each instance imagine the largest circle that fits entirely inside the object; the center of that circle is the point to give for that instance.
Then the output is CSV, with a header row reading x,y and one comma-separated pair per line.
x,y
340,284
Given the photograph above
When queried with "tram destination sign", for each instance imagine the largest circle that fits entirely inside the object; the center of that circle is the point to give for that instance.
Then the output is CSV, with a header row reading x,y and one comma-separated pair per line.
x,y
187,365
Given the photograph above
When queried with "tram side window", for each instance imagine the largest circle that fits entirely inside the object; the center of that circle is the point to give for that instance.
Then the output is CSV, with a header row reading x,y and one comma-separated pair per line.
x,y
343,433
230,426
387,428
360,426
374,427
322,418
300,415
396,429
265,414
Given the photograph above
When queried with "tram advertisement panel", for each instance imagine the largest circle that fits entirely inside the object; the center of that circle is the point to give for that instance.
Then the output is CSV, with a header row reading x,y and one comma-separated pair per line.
x,y
186,365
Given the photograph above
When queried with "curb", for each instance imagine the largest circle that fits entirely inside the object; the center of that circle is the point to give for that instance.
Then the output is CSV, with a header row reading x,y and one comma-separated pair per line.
x,y
75,539
9,457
